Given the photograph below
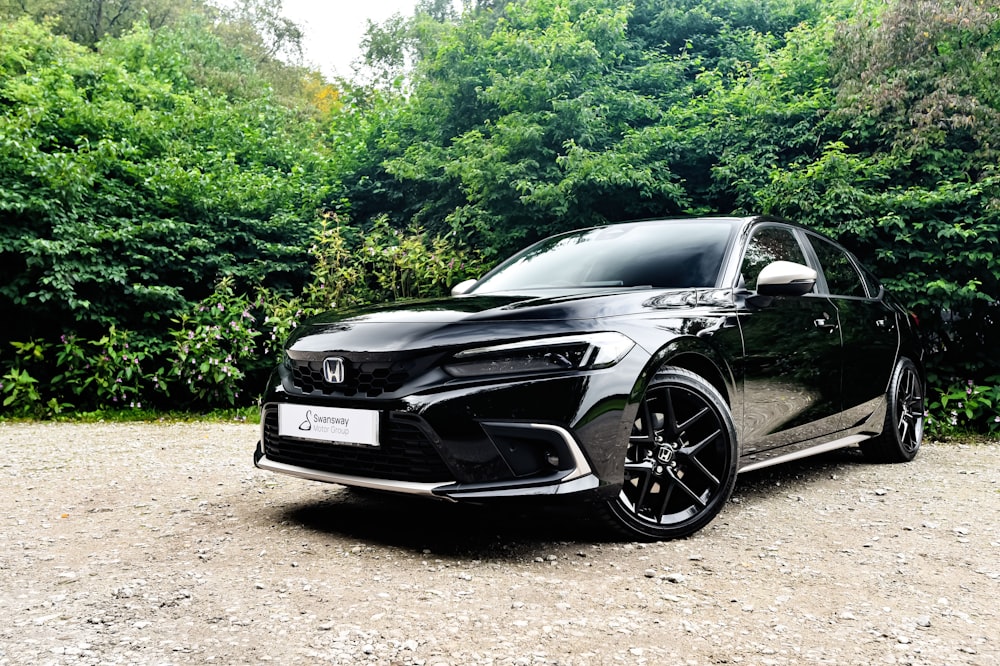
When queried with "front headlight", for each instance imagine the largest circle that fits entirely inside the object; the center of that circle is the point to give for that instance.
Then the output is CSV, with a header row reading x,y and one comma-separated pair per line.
x,y
573,352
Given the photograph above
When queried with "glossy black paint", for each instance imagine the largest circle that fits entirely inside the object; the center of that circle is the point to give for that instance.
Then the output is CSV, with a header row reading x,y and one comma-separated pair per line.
x,y
794,372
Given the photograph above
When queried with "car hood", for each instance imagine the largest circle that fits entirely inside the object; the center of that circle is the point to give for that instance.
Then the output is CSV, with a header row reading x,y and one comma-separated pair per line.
x,y
459,320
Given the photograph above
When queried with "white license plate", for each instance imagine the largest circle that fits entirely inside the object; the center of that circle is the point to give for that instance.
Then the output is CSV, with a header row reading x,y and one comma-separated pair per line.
x,y
358,427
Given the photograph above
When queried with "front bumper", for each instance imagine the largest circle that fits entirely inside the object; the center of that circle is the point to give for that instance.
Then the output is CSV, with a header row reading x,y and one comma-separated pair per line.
x,y
508,459
540,437
579,478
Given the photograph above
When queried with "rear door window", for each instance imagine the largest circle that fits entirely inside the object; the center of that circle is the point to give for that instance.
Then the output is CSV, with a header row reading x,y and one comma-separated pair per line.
x,y
842,278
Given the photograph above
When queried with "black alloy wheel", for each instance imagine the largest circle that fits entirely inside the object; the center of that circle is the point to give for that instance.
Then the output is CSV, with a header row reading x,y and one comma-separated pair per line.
x,y
903,431
681,461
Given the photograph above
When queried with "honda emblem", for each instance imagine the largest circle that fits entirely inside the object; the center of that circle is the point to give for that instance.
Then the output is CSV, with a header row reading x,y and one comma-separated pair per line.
x,y
333,370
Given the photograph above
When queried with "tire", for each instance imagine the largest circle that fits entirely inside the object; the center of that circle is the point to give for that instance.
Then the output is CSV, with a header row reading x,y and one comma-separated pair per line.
x,y
680,460
903,430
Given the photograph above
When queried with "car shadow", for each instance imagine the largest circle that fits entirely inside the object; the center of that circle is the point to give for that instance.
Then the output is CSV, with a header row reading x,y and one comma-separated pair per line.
x,y
512,530
490,531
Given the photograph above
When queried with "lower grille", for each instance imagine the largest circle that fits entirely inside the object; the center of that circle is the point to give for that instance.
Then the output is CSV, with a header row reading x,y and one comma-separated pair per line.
x,y
404,453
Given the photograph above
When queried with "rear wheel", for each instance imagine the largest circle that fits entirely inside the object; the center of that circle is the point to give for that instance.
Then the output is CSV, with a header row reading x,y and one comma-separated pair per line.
x,y
904,417
681,459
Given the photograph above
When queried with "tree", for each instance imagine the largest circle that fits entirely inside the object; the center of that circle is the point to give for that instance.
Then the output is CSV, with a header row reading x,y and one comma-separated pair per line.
x,y
89,21
128,189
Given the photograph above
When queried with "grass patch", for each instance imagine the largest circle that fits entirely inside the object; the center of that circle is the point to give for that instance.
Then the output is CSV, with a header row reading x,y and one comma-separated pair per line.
x,y
237,414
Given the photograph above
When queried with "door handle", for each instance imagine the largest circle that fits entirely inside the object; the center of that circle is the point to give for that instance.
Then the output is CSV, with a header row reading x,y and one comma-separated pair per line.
x,y
825,324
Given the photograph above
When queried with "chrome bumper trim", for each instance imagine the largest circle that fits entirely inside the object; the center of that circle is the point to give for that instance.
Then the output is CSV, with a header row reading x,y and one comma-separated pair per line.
x,y
580,465
564,486
408,487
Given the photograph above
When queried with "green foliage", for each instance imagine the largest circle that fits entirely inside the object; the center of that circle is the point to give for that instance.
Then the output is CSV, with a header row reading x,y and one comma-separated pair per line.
x,y
966,407
398,265
128,190
385,265
217,352
20,391
177,164
89,21
115,372
906,171
515,125
212,344
544,116
112,372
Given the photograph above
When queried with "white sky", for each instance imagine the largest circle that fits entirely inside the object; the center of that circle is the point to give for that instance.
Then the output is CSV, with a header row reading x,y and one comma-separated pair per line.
x,y
333,28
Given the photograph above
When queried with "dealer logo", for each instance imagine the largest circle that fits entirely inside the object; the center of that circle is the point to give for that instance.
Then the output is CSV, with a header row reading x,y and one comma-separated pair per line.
x,y
333,370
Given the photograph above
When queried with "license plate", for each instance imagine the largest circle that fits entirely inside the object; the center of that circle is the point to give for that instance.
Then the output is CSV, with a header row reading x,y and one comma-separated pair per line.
x,y
357,427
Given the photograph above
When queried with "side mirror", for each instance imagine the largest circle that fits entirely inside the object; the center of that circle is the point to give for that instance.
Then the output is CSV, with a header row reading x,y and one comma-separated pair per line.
x,y
785,278
463,287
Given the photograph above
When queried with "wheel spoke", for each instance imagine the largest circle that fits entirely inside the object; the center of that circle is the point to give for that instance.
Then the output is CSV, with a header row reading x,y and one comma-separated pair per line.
x,y
669,416
647,483
704,470
667,494
683,427
904,431
643,431
683,486
694,450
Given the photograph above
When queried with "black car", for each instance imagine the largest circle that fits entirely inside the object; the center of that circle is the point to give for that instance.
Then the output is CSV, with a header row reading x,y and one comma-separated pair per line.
x,y
638,365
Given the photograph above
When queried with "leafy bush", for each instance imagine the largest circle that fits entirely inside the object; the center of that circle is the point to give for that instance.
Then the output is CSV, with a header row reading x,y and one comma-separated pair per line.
x,y
966,407
218,351
212,344
128,189
385,265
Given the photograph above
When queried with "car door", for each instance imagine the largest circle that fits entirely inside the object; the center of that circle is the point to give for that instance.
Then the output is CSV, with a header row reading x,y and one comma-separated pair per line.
x,y
791,367
868,329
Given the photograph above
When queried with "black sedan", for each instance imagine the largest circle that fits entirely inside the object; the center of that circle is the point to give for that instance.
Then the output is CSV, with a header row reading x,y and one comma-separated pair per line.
x,y
640,366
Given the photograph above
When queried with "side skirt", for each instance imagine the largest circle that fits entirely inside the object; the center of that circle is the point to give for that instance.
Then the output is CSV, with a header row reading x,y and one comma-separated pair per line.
x,y
841,443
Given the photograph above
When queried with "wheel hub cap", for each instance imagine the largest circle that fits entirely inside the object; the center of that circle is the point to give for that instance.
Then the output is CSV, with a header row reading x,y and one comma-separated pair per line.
x,y
665,455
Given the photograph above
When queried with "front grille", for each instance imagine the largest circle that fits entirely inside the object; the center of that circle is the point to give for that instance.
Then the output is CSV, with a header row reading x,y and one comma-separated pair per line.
x,y
404,453
371,379
368,375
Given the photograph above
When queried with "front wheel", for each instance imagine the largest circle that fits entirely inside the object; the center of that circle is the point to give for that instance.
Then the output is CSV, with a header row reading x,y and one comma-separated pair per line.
x,y
903,430
680,462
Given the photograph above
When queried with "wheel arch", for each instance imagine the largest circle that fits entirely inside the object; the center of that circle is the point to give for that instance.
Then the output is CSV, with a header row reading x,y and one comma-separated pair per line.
x,y
697,356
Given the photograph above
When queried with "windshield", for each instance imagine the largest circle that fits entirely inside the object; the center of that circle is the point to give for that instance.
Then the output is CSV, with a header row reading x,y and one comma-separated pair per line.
x,y
668,255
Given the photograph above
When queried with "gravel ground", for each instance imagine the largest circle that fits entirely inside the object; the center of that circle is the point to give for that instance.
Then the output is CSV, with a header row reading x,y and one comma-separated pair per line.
x,y
161,544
